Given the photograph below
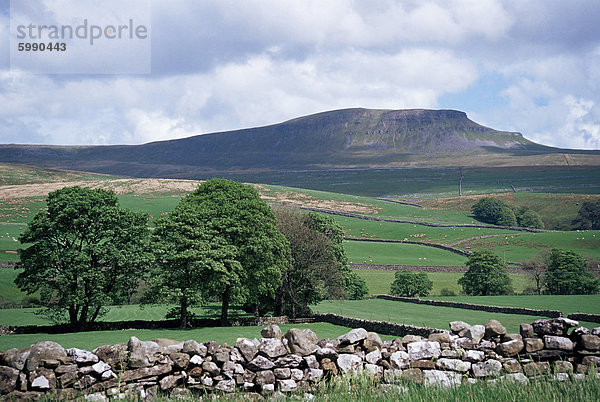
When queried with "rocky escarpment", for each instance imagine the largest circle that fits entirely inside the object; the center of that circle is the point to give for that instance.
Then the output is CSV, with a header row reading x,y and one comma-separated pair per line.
x,y
339,138
297,360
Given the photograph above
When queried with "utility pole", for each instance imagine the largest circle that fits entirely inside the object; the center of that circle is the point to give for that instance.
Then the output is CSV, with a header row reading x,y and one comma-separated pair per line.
x,y
460,182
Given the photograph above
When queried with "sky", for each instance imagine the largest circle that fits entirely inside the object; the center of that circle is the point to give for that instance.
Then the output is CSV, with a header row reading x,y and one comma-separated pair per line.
x,y
515,65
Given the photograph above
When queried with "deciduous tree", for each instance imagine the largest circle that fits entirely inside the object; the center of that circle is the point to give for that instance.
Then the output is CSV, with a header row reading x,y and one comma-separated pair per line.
x,y
588,216
486,275
319,267
84,252
187,254
234,216
568,274
411,284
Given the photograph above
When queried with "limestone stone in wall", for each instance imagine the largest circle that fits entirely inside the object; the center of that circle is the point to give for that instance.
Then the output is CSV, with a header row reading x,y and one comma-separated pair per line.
x,y
297,361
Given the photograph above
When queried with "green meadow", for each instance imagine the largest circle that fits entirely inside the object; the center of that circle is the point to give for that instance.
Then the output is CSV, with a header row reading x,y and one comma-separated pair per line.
x,y
379,281
422,315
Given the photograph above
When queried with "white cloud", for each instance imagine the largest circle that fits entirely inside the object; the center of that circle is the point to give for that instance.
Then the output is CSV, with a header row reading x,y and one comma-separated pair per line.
x,y
229,64
259,91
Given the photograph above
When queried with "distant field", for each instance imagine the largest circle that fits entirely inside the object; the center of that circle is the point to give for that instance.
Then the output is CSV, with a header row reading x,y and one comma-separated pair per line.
x,y
419,314
11,174
399,254
557,210
523,246
355,227
9,293
91,340
568,304
9,234
379,281
420,183
379,208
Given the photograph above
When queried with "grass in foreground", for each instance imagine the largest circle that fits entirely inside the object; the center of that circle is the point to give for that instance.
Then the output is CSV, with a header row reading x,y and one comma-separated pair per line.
x,y
93,339
365,389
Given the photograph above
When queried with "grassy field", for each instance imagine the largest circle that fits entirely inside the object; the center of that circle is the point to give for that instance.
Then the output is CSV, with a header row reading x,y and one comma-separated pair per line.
x,y
523,246
419,183
28,316
557,210
91,340
399,254
363,388
419,314
11,174
9,292
355,227
379,281
568,304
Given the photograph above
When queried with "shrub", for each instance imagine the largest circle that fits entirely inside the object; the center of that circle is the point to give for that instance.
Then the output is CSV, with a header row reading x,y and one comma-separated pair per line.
x,y
447,292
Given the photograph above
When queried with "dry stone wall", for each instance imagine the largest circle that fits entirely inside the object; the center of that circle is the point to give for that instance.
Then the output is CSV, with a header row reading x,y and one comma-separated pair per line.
x,y
298,360
585,317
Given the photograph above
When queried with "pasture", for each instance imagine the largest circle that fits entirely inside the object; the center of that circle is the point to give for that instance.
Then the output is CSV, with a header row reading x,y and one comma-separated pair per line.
x,y
28,316
360,252
568,304
439,182
423,315
379,281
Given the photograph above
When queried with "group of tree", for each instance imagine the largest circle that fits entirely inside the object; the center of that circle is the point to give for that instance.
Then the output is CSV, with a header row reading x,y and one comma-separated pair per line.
x,y
497,212
221,242
561,272
557,272
588,216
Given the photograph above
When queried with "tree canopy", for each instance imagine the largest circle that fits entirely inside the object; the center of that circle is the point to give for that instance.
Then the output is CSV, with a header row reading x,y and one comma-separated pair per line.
x,y
567,274
187,253
497,212
486,276
84,253
588,216
354,285
243,226
411,284
319,266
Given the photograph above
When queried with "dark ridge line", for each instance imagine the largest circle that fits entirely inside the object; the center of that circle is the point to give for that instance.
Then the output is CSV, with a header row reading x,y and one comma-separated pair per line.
x,y
435,225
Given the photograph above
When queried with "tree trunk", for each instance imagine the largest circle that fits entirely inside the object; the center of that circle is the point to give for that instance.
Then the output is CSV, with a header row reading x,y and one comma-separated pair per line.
x,y
95,315
83,315
183,313
279,302
225,305
73,315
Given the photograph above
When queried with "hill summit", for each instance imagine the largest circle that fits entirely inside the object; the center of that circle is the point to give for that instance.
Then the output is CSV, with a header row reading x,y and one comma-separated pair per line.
x,y
345,138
